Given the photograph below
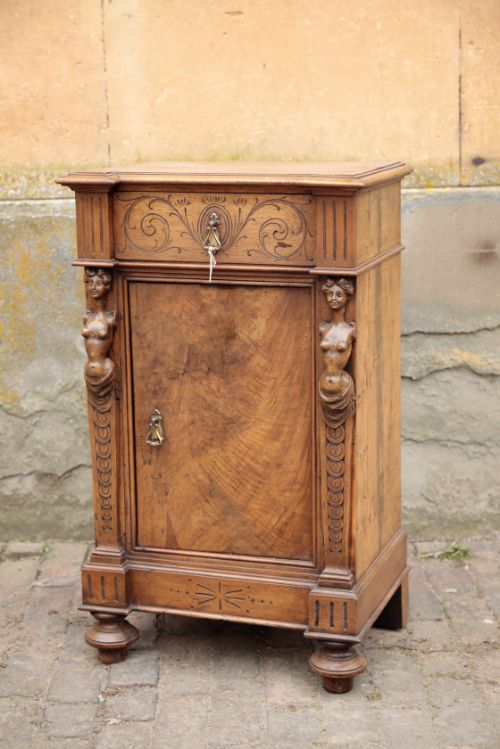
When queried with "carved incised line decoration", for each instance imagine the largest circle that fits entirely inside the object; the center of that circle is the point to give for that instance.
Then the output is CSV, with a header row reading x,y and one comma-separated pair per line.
x,y
272,226
229,597
336,394
98,329
222,596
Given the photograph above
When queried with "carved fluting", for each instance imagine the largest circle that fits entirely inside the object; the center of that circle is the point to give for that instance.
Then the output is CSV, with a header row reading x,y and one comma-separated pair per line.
x,y
91,211
336,394
98,329
275,226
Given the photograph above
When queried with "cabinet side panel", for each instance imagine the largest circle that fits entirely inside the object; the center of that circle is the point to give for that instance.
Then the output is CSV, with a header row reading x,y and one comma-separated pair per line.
x,y
377,484
390,279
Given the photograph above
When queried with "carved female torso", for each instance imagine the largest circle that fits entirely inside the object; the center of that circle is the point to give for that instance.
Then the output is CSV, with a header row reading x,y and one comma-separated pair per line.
x,y
98,328
336,387
336,342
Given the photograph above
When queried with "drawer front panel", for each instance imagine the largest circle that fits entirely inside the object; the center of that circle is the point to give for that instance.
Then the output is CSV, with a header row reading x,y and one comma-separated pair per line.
x,y
230,369
254,228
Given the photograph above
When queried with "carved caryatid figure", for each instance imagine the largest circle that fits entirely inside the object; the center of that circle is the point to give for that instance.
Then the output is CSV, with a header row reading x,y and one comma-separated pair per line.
x,y
98,329
336,386
336,393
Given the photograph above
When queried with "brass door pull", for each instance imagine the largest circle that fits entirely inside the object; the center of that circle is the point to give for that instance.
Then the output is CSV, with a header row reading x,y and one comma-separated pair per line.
x,y
155,435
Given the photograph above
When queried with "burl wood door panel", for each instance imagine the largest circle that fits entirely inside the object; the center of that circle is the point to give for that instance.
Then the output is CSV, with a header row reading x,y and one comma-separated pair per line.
x,y
230,367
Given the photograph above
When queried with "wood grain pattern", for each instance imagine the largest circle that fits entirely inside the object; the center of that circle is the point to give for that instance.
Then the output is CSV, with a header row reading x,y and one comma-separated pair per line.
x,y
265,228
227,382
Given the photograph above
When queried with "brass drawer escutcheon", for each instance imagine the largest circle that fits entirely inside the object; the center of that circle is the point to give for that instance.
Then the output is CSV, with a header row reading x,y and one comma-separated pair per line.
x,y
212,243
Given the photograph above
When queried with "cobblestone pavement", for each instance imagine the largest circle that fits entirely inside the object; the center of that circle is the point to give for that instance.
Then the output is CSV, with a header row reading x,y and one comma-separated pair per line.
x,y
210,685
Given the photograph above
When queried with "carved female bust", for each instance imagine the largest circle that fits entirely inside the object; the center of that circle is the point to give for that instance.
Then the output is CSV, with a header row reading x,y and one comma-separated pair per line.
x,y
98,328
336,386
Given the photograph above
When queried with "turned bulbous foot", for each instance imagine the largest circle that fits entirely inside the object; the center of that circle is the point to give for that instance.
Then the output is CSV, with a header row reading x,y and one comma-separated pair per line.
x,y
337,665
111,635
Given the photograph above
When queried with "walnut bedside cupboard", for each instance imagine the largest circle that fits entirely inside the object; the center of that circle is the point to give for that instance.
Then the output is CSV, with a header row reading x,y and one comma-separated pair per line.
x,y
243,380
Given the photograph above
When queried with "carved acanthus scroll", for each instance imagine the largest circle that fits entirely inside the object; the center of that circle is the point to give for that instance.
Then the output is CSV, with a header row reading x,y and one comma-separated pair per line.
x,y
98,329
336,394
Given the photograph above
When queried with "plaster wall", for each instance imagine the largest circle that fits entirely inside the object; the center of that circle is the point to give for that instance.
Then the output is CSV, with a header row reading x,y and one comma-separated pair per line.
x,y
90,82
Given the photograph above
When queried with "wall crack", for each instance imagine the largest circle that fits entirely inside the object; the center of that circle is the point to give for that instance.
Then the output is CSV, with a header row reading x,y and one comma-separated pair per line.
x,y
44,474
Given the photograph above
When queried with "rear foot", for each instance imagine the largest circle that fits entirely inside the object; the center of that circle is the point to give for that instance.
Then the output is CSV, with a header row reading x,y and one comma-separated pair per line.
x,y
395,613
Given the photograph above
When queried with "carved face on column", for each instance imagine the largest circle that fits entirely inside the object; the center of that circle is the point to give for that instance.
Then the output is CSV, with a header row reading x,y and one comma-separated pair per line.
x,y
337,292
98,283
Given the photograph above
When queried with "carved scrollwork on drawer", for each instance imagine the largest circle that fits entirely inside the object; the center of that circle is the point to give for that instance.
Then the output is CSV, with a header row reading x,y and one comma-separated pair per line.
x,y
258,228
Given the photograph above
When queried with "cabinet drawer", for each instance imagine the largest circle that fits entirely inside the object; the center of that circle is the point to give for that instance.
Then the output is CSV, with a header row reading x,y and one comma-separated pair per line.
x,y
274,229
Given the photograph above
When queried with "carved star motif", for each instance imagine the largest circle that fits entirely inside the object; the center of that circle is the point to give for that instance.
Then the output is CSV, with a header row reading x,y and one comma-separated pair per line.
x,y
220,594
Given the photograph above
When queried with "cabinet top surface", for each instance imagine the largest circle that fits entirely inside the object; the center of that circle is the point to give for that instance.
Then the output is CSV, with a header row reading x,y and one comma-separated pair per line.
x,y
315,174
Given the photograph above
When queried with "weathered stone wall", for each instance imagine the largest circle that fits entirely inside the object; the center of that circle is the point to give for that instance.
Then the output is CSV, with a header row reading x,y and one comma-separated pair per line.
x,y
91,82
451,360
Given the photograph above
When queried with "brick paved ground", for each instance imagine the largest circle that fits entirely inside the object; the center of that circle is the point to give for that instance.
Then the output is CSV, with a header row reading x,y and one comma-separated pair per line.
x,y
201,684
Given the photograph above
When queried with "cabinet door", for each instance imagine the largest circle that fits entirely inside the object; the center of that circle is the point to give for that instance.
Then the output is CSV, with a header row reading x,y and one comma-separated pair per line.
x,y
230,367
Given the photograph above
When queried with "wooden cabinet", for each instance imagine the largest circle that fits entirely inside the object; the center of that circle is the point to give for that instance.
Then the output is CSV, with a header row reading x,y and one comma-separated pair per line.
x,y
242,336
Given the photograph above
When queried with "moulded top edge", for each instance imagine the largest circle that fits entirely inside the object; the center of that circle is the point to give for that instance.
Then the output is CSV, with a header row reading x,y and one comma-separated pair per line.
x,y
315,174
